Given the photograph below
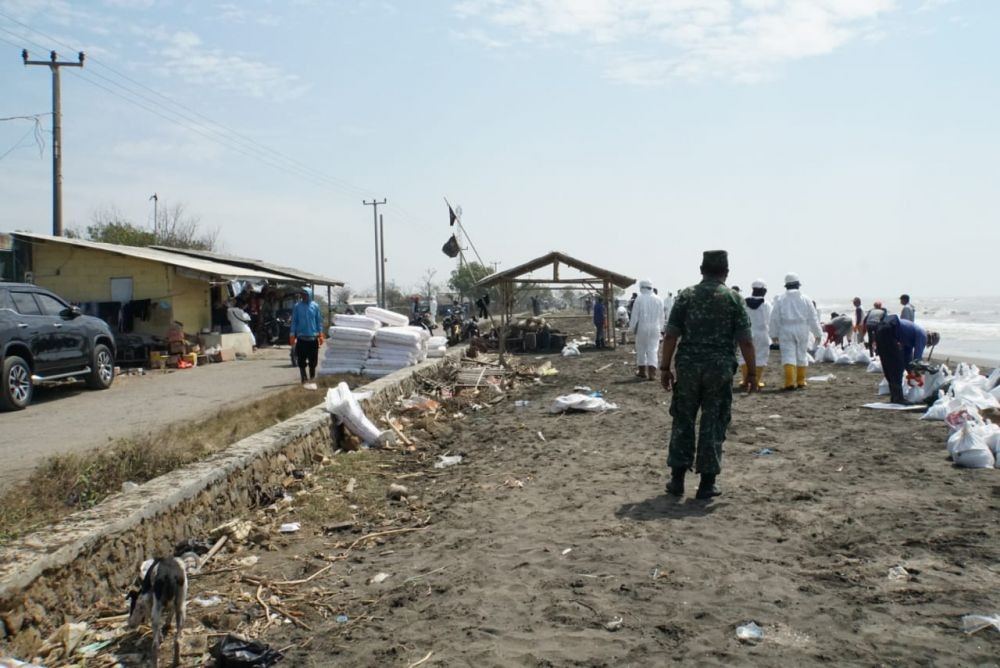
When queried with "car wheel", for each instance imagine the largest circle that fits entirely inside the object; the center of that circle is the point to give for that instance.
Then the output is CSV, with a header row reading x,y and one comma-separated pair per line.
x,y
17,388
102,372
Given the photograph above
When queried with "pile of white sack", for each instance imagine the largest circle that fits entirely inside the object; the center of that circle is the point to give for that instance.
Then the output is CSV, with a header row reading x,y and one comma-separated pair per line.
x,y
347,345
852,353
437,346
973,442
917,391
343,403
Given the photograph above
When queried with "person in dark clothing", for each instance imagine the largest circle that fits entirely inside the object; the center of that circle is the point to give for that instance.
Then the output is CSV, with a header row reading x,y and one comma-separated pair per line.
x,y
859,318
599,316
900,342
482,305
631,303
871,322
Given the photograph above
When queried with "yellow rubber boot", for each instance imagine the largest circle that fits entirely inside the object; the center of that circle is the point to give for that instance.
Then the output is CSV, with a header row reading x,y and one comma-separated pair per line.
x,y
800,376
760,377
743,376
789,376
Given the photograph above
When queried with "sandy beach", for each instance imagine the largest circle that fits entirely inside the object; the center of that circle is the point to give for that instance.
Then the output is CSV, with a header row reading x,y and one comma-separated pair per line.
x,y
553,544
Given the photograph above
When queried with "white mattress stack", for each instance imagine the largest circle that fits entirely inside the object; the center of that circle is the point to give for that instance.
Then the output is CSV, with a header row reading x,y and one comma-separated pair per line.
x,y
346,348
394,348
388,318
437,346
359,321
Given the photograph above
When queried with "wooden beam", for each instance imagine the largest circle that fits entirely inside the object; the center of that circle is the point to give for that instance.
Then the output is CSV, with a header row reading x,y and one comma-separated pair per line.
x,y
583,282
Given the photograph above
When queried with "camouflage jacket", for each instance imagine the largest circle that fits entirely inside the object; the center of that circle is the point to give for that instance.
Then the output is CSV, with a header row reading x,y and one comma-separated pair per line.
x,y
709,319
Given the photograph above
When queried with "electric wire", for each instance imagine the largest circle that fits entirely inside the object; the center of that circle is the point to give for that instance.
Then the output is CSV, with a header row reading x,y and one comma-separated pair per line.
x,y
207,128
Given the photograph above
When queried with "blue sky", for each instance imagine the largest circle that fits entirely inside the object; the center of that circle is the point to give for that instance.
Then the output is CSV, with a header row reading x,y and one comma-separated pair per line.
x,y
853,141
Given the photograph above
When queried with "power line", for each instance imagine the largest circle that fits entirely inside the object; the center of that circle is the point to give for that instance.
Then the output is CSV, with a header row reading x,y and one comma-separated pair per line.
x,y
206,127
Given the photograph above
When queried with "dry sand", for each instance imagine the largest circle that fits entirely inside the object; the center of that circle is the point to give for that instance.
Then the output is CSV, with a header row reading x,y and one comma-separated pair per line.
x,y
801,542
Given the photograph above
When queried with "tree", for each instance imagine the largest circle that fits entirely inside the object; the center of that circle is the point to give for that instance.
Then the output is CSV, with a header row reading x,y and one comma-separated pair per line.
x,y
394,297
175,228
428,287
342,294
463,280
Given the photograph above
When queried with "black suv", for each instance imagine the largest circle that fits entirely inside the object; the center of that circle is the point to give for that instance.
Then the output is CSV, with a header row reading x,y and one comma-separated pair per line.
x,y
43,338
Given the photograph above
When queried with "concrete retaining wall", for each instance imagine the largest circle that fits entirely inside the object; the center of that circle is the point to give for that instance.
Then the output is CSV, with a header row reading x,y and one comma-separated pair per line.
x,y
56,575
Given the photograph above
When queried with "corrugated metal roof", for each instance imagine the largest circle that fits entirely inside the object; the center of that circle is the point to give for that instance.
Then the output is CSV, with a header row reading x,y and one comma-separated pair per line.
x,y
209,268
290,272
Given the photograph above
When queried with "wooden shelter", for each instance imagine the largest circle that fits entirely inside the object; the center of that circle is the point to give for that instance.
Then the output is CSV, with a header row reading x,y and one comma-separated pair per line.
x,y
586,276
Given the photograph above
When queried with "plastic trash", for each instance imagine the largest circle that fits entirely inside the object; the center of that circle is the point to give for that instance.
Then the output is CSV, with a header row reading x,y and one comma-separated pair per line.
x,y
379,578
444,461
289,527
570,351
521,403
898,573
567,551
344,404
763,452
825,378
206,602
341,619
974,623
614,625
234,651
749,632
581,402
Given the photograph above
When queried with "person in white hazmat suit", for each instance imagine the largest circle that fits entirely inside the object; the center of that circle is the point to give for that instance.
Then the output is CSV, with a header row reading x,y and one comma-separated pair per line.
x,y
793,319
239,321
646,324
759,311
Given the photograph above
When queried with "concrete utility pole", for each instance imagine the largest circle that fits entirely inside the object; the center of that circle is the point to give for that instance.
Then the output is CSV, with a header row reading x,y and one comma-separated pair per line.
x,y
379,297
381,248
54,64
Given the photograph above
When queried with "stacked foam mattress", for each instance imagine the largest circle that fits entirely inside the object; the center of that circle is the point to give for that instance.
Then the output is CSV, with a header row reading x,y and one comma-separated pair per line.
x,y
348,343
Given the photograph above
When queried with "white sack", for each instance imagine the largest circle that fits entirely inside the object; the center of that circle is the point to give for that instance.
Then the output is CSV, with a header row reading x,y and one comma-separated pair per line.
x,y
581,402
344,404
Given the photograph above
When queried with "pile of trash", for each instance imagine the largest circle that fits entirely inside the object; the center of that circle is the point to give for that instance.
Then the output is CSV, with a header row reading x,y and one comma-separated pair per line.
x,y
962,400
347,346
852,353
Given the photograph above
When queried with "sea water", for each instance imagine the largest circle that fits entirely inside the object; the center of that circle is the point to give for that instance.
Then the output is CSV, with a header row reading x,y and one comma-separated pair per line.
x,y
969,326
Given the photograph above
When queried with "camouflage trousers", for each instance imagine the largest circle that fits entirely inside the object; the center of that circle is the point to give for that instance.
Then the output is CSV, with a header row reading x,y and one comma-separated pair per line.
x,y
705,386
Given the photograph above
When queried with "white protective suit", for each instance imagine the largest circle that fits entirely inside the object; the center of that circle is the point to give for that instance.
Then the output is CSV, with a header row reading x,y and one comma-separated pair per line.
x,y
646,324
239,320
760,328
793,319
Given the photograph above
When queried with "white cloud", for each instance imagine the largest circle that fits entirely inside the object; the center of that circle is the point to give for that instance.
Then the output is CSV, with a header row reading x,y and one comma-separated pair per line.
x,y
652,41
183,54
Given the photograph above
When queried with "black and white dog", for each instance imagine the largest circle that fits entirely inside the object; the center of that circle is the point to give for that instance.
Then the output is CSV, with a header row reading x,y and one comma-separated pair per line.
x,y
163,590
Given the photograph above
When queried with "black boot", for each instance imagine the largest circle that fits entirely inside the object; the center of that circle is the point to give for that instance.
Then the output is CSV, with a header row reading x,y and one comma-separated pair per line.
x,y
707,488
676,485
896,394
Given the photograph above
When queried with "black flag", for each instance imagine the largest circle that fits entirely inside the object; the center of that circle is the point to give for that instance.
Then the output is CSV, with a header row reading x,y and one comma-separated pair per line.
x,y
452,217
451,248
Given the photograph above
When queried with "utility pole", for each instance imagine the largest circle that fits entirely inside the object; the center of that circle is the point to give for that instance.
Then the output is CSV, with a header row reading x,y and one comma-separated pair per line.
x,y
54,64
378,261
381,246
156,201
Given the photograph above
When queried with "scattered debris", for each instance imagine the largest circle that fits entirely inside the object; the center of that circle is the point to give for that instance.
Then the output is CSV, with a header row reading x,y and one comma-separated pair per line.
x,y
975,623
581,402
289,527
614,625
763,452
209,602
351,484
541,436
567,551
898,573
234,651
521,403
444,461
513,483
342,619
749,632
397,491
378,578
825,378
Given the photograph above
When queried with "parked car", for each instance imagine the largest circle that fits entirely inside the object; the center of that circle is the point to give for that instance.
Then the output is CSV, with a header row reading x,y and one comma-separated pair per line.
x,y
42,338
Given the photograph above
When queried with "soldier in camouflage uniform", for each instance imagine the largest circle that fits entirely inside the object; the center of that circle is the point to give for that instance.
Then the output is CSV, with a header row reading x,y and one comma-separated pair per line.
x,y
709,321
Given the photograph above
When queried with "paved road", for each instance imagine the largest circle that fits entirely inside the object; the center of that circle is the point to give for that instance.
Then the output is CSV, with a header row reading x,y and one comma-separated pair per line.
x,y
70,417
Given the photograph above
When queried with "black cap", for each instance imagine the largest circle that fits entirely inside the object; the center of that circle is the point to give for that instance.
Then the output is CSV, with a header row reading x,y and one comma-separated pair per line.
x,y
715,262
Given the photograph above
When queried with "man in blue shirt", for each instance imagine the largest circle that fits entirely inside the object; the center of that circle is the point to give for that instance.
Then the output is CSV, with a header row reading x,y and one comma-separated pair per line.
x,y
306,333
900,342
599,322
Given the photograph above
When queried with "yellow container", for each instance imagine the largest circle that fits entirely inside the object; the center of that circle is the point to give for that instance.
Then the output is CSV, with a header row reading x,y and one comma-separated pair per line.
x,y
192,358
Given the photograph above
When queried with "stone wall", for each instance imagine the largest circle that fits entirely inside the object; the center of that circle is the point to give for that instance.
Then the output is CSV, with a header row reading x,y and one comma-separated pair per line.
x,y
58,574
